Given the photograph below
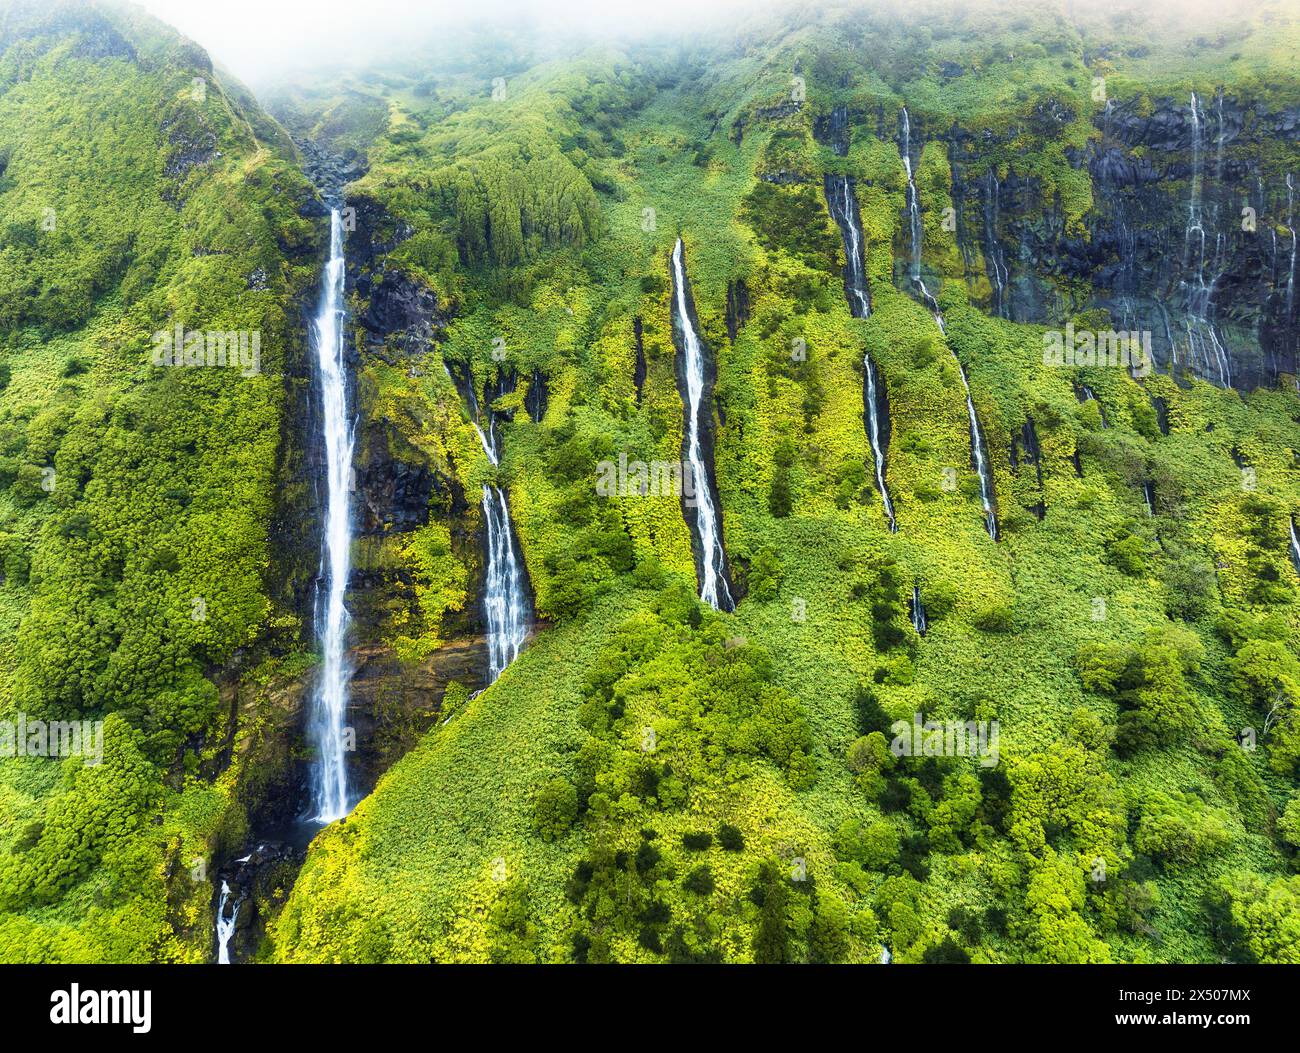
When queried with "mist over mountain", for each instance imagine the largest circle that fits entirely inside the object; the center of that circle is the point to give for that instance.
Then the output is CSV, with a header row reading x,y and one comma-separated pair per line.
x,y
747,483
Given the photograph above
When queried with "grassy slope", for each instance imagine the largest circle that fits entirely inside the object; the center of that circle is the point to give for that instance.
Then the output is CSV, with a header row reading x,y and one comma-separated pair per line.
x,y
164,479
410,874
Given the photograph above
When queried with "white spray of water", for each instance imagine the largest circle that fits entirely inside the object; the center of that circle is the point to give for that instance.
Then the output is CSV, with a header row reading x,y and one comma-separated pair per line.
x,y
225,925
329,715
840,195
978,449
713,580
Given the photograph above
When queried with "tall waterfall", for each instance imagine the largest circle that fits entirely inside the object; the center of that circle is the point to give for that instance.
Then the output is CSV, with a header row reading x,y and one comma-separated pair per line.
x,y
1295,547
1290,222
995,256
329,710
225,925
839,198
714,589
978,448
505,600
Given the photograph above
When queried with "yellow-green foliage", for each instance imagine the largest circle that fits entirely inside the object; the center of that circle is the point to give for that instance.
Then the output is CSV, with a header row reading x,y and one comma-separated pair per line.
x,y
139,503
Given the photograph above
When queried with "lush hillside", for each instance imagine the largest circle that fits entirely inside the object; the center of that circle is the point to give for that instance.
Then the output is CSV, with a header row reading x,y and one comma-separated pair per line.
x,y
1120,652
653,780
141,192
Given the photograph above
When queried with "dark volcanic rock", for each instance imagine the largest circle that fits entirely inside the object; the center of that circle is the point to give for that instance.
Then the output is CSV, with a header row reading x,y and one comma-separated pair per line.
x,y
405,310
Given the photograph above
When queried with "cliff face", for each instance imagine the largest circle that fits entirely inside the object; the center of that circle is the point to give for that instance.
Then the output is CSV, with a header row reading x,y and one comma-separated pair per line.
x,y
1190,235
410,507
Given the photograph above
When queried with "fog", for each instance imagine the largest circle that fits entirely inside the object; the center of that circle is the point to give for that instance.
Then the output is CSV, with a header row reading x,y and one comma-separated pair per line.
x,y
268,41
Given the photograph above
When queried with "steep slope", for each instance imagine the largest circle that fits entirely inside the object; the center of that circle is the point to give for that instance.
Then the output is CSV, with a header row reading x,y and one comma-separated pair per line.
x,y
654,780
143,585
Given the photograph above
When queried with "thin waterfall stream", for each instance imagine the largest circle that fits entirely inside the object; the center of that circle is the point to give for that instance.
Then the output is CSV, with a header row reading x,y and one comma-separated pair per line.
x,y
843,207
330,702
714,587
979,450
1204,346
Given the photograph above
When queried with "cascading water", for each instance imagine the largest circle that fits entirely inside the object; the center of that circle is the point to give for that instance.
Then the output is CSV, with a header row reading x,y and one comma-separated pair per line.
x,y
714,589
1295,547
839,198
225,925
1149,497
329,713
979,451
1206,352
994,255
920,622
505,595
505,600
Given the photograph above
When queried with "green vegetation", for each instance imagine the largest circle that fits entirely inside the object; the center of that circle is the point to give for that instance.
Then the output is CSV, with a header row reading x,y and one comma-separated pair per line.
x,y
651,780
135,501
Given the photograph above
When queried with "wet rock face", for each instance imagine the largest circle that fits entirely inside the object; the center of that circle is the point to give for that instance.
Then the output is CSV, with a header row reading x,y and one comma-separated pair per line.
x,y
1187,238
401,317
537,397
330,172
404,310
1162,414
737,307
259,883
394,703
392,494
833,130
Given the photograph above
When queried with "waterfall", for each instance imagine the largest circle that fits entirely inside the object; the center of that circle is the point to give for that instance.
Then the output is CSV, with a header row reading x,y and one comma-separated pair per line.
x,y
1149,497
978,449
979,454
914,225
329,710
994,256
504,599
839,198
505,595
839,195
919,620
1206,352
714,589
871,378
225,925
1290,222
1295,547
